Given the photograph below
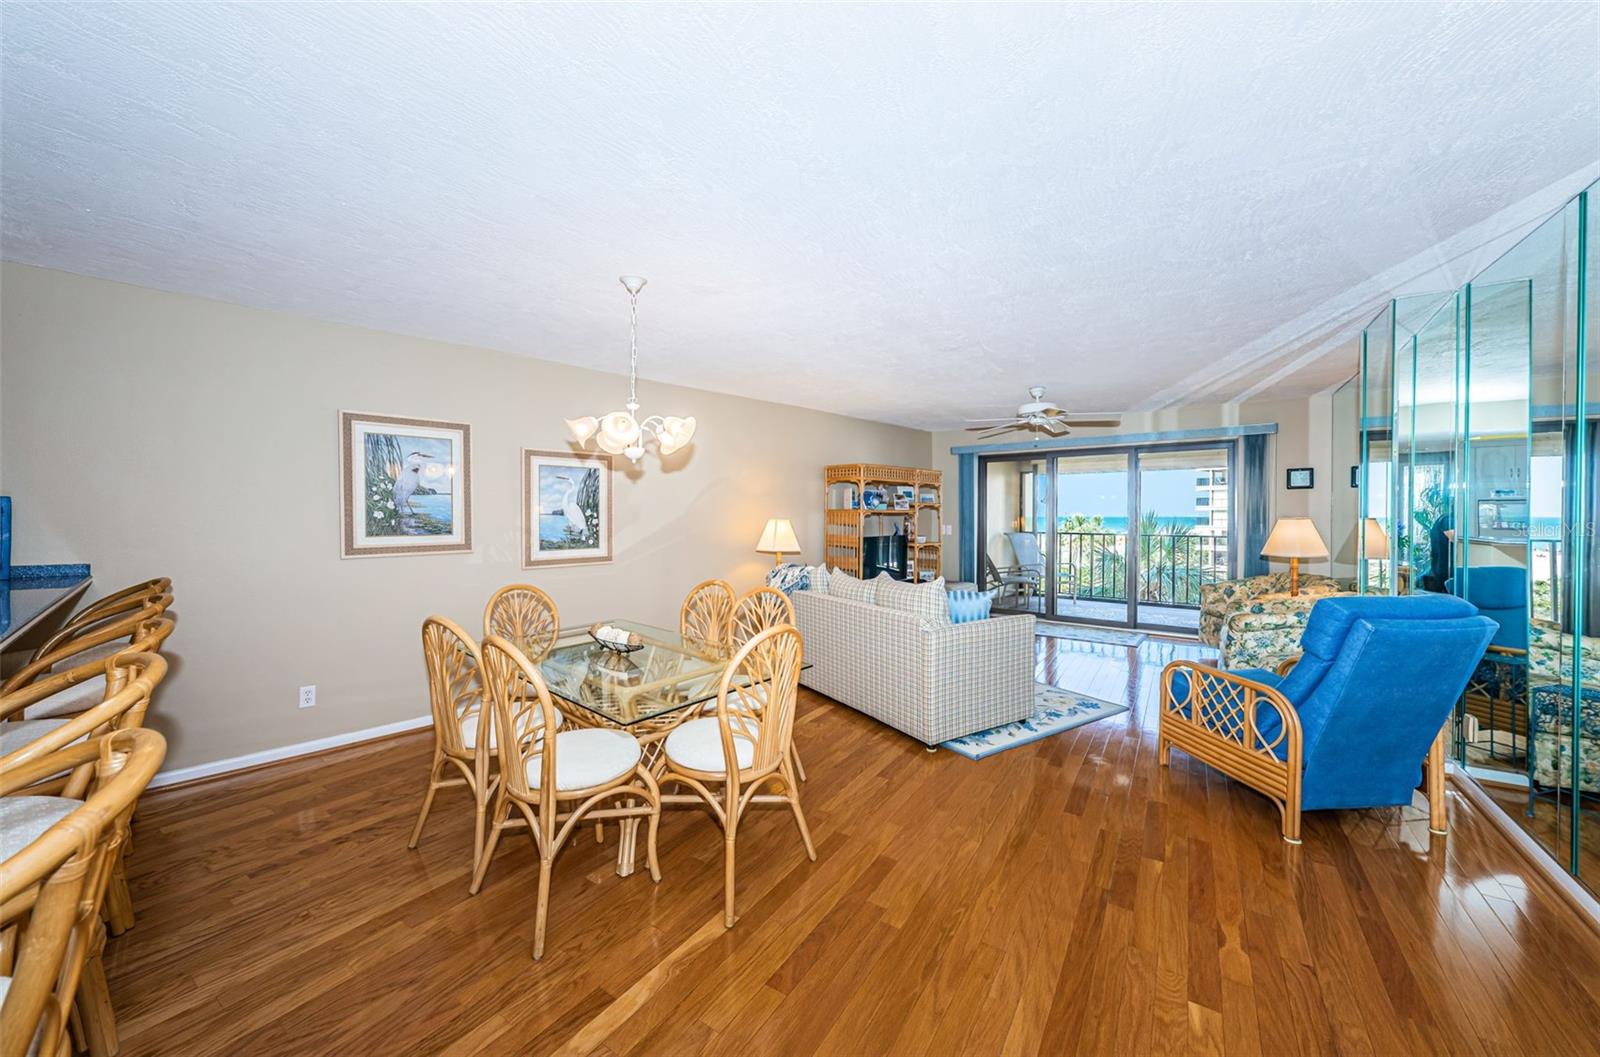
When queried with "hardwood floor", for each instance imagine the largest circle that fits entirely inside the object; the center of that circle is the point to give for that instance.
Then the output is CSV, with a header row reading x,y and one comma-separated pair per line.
x,y
1068,896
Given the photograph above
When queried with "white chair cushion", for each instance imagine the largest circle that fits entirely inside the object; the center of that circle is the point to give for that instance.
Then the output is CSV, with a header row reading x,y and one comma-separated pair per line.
x,y
79,697
587,758
16,734
23,819
469,731
697,745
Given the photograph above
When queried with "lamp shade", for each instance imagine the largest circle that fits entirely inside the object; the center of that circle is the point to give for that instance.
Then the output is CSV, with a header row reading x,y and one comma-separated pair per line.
x,y
778,537
1375,540
1295,537
675,433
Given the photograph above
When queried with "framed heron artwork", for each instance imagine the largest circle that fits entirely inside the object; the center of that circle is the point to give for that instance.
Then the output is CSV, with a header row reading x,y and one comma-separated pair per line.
x,y
566,508
405,485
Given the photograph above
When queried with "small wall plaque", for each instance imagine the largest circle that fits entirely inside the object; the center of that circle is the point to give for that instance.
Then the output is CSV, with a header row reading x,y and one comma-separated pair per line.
x,y
1300,477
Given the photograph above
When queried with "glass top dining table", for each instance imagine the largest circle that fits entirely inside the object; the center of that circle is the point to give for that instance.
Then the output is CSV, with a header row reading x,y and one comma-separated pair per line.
x,y
653,686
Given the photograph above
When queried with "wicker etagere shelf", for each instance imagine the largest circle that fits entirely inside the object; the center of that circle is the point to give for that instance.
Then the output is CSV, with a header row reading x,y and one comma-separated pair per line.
x,y
846,514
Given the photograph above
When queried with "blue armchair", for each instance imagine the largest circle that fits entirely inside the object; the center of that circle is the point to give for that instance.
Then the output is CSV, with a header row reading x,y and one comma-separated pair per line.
x,y
1349,723
1497,693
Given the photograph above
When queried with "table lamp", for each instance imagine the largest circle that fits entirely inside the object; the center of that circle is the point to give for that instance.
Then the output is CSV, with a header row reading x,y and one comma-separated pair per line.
x,y
1376,540
1294,538
778,539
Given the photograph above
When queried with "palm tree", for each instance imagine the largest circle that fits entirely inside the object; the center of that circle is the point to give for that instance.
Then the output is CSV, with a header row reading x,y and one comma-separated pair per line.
x,y
1165,566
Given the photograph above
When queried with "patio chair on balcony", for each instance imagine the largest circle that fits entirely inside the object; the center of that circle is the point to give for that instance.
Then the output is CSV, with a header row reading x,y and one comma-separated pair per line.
x,y
1030,566
1009,580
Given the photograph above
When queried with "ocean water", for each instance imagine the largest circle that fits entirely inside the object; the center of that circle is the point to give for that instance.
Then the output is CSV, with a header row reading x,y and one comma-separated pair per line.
x,y
553,529
428,515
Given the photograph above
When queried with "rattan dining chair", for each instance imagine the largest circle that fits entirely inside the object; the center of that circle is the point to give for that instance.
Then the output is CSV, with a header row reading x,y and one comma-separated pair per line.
x,y
541,767
759,609
463,733
130,679
524,615
762,608
93,641
56,858
745,745
707,614
77,682
129,598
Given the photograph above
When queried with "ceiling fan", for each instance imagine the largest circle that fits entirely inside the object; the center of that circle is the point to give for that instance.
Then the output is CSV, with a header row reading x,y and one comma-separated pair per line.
x,y
1042,416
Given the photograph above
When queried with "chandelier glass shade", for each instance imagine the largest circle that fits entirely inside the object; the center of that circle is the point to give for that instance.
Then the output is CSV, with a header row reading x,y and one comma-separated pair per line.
x,y
623,432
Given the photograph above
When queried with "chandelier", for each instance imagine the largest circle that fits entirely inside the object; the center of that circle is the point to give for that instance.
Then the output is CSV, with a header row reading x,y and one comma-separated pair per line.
x,y
621,432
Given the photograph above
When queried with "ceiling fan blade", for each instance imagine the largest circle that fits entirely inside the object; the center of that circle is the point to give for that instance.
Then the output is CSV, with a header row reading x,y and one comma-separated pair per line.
x,y
1000,418
1095,422
1052,411
1006,424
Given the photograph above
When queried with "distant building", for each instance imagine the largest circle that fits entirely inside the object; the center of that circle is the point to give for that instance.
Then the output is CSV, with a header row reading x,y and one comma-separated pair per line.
x,y
1211,502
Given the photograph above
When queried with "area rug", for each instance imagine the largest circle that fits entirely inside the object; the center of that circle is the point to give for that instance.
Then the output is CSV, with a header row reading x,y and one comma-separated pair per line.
x,y
1113,636
1054,710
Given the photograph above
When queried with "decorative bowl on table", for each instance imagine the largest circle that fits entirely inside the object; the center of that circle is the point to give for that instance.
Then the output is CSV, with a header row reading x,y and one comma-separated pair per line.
x,y
615,639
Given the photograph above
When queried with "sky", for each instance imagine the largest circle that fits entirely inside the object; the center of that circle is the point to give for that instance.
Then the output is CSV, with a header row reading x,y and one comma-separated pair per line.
x,y
553,490
1170,493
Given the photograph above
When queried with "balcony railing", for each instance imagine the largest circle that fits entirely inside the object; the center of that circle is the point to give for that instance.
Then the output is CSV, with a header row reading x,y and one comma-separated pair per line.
x,y
1172,566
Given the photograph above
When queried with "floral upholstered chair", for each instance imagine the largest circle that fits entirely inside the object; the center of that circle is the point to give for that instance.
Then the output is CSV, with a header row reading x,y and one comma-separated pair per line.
x,y
1219,599
1550,715
1256,622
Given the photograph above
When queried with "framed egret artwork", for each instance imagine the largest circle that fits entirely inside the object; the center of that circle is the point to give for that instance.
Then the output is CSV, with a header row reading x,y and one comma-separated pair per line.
x,y
405,485
566,508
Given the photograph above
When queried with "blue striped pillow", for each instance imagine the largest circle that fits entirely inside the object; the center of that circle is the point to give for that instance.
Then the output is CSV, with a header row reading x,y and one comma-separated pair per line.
x,y
967,606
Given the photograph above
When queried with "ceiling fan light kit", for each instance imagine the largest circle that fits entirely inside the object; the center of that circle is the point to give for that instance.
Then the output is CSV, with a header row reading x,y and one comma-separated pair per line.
x,y
1038,415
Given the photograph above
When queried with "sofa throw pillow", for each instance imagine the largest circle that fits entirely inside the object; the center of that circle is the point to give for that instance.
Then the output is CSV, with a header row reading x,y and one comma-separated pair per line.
x,y
818,578
925,601
842,585
788,577
967,606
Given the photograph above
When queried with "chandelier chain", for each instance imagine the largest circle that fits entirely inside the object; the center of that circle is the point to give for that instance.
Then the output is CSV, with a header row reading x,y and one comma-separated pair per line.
x,y
633,351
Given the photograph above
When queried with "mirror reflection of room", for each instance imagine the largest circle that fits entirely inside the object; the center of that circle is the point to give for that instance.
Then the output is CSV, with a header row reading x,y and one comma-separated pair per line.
x,y
1479,480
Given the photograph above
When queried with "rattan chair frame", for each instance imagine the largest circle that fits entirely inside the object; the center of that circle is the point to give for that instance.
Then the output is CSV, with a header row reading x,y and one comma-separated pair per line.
x,y
118,626
1216,723
455,694
706,615
761,708
526,716
762,608
52,892
136,596
525,615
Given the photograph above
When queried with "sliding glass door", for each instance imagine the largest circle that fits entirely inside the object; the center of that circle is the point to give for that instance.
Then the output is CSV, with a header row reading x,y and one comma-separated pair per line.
x,y
1123,537
1184,504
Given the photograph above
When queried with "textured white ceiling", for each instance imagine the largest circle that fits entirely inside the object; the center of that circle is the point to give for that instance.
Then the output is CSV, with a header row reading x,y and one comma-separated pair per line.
x,y
901,212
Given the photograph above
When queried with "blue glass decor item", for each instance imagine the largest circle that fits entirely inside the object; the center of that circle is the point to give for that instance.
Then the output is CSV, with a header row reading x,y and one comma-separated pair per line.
x,y
5,538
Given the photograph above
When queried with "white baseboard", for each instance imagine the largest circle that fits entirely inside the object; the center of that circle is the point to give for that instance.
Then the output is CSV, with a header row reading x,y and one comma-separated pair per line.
x,y
284,752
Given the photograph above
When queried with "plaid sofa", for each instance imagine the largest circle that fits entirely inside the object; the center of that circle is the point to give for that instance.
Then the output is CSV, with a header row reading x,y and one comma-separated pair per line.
x,y
933,683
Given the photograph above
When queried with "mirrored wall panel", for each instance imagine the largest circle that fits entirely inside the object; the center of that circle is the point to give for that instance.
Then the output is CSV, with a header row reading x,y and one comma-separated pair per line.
x,y
1480,435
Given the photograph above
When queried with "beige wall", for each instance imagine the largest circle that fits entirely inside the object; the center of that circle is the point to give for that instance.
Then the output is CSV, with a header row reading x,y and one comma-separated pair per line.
x,y
149,433
1304,438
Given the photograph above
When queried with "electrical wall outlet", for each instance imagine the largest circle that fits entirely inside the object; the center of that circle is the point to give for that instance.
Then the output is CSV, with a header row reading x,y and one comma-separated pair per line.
x,y
308,696
946,529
